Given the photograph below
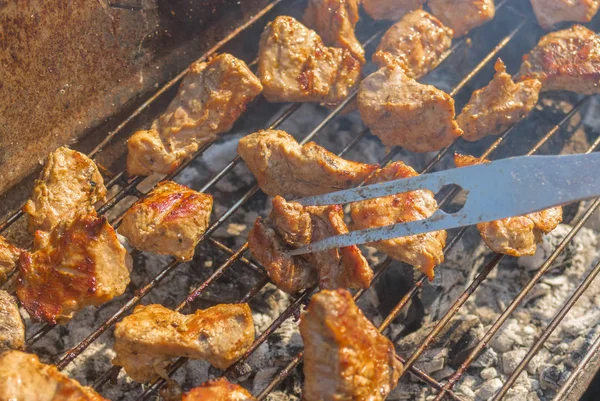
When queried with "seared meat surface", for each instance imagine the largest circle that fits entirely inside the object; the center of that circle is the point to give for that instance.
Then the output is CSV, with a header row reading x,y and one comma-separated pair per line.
x,y
515,236
284,167
79,263
12,330
565,60
9,256
345,357
498,106
70,183
169,221
24,378
147,340
334,21
550,12
211,98
295,66
463,15
390,9
423,251
218,390
404,112
416,42
291,225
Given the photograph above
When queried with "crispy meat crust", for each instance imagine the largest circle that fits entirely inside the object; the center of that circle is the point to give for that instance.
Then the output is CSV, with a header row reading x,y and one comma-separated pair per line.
x,y
565,60
79,263
169,221
345,357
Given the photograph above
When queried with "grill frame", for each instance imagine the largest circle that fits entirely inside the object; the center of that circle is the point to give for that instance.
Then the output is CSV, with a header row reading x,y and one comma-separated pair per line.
x,y
129,188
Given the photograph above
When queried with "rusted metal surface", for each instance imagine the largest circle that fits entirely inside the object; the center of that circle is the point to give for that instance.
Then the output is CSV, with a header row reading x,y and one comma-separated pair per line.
x,y
66,68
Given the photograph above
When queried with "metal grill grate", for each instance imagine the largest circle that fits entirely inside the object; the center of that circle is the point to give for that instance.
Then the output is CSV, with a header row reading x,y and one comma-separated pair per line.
x,y
129,188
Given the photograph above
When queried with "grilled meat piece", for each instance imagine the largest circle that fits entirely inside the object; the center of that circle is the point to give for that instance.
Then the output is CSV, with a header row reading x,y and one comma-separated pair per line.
x,y
403,112
498,106
565,60
289,273
291,225
218,390
463,15
169,221
516,236
211,98
334,21
147,340
24,378
550,12
390,9
416,42
9,256
79,263
12,329
345,357
284,167
70,183
295,66
423,251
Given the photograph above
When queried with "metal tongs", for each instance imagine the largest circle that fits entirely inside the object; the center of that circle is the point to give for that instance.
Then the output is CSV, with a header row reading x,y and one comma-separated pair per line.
x,y
496,190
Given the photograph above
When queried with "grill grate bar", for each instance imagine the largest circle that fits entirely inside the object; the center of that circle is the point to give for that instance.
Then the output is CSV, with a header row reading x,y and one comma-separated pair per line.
x,y
524,291
568,386
551,327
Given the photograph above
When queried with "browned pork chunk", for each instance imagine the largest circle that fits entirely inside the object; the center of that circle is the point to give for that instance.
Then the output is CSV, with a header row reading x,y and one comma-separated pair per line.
x,y
463,15
150,338
290,226
70,183
403,112
12,330
516,236
79,263
9,256
390,9
24,378
169,221
284,167
295,66
211,97
498,106
423,251
550,12
417,43
334,21
345,357
218,390
565,60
